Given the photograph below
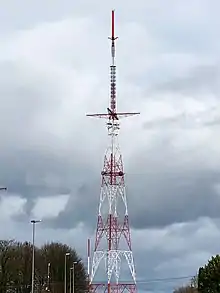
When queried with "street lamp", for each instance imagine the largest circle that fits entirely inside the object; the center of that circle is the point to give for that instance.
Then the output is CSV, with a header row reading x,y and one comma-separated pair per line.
x,y
70,279
33,222
48,277
73,268
66,254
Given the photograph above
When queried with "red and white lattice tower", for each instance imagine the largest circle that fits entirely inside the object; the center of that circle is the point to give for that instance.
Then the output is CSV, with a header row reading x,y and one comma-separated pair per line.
x,y
113,240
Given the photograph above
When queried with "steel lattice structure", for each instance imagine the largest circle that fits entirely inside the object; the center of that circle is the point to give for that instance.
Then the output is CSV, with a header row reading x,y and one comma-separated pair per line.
x,y
113,240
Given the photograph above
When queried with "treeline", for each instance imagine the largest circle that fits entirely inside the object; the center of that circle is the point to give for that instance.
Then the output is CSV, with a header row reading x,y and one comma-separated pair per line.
x,y
186,289
207,279
192,287
16,268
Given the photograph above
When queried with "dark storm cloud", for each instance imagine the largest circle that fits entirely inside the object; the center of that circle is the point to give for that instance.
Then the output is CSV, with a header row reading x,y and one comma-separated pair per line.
x,y
170,187
82,207
168,198
38,166
19,166
156,198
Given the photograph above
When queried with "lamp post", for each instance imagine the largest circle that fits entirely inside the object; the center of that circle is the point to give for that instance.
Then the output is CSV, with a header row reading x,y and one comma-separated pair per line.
x,y
73,268
66,254
48,277
33,222
70,279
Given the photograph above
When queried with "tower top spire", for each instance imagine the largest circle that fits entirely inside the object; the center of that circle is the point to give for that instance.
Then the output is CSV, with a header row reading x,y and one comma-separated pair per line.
x,y
112,114
113,38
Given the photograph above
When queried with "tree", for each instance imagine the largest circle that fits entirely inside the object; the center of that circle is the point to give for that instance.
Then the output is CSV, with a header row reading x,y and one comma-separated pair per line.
x,y
6,249
194,281
209,276
19,267
54,253
191,288
16,267
186,289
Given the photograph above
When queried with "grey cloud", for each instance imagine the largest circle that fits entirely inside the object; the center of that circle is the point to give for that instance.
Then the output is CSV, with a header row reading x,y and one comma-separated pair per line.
x,y
82,207
165,199
195,250
200,79
173,187
27,156
199,83
25,102
157,198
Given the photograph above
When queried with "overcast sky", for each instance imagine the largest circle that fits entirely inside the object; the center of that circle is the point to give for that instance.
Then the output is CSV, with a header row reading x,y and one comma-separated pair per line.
x,y
54,68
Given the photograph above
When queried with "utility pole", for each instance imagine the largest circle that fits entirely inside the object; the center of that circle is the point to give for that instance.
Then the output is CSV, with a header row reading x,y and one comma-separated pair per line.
x,y
48,277
33,222
74,263
70,279
66,254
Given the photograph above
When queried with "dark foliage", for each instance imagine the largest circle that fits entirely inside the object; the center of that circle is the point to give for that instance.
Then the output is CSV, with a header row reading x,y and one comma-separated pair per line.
x,y
209,276
186,289
16,263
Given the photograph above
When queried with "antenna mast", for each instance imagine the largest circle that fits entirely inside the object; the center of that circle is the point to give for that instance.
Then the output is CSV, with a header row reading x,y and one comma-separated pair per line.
x,y
113,239
113,67
111,110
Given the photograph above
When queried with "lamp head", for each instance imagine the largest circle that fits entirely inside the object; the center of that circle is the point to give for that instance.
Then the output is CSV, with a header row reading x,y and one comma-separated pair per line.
x,y
35,221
